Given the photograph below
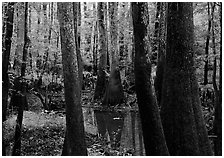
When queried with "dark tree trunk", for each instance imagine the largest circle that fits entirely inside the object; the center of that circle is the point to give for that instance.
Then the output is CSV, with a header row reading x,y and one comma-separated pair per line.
x,y
161,52
101,75
106,7
74,144
77,41
22,99
153,135
95,50
218,100
95,35
30,52
6,47
181,112
5,58
114,92
207,47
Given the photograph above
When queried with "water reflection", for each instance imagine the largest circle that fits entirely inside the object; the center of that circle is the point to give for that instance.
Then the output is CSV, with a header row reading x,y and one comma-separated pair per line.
x,y
122,129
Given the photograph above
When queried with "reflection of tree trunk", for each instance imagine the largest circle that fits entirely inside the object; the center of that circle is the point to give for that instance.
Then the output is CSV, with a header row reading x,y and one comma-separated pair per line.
x,y
138,136
141,144
110,124
101,125
127,134
133,117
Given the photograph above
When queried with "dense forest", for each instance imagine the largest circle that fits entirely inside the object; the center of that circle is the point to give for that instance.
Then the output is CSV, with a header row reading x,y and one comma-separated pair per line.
x,y
111,78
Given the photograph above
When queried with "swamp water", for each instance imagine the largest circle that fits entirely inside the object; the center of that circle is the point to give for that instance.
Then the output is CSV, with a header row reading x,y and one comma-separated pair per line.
x,y
121,129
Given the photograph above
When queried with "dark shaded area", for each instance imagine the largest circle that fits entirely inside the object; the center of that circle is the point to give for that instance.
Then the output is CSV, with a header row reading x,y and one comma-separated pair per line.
x,y
114,94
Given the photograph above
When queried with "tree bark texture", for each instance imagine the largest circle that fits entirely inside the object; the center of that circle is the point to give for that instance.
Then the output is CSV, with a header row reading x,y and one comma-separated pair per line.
x,y
101,75
5,58
181,112
161,52
153,135
22,100
6,47
218,100
77,42
20,36
114,91
75,136
207,47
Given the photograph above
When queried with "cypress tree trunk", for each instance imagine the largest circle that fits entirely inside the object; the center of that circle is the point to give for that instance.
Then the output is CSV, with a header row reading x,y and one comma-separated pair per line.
x,y
77,42
161,52
218,100
181,112
114,91
74,144
101,75
153,135
207,47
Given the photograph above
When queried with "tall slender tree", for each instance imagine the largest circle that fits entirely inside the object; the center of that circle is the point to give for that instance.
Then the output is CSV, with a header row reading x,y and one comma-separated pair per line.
x,y
6,47
181,112
207,46
74,144
19,36
101,74
21,100
114,91
218,98
77,41
5,57
153,135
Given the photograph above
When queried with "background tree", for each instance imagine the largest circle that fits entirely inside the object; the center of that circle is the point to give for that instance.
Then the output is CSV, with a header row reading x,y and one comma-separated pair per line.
x,y
21,99
74,142
207,46
114,91
181,113
153,135
101,74
20,37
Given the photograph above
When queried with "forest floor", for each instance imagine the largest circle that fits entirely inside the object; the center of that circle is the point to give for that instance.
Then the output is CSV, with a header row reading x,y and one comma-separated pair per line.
x,y
43,134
